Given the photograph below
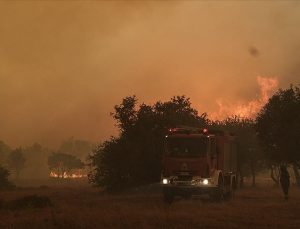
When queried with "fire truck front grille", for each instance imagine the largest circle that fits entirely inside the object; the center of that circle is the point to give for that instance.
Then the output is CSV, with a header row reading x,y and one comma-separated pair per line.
x,y
185,178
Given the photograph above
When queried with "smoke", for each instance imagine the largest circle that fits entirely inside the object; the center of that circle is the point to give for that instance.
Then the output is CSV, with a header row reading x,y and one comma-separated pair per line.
x,y
267,86
64,65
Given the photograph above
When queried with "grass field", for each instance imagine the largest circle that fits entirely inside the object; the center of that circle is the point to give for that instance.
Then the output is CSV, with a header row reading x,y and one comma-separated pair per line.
x,y
81,206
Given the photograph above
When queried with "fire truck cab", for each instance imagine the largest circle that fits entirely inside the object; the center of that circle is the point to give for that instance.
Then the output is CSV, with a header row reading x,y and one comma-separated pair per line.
x,y
199,161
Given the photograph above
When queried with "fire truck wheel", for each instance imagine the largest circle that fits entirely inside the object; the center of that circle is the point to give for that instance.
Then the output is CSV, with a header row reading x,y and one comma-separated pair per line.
x,y
229,195
217,194
168,198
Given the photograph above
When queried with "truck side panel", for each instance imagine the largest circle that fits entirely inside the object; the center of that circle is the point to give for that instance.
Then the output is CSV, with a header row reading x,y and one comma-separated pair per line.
x,y
227,152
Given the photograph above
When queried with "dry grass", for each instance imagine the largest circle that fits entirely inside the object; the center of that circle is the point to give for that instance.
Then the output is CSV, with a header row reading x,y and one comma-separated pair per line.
x,y
87,207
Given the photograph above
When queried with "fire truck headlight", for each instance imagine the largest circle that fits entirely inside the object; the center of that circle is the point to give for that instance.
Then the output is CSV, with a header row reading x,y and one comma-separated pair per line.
x,y
205,181
165,181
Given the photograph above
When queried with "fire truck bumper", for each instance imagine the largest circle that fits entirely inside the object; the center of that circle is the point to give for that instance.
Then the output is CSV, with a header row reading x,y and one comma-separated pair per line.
x,y
188,190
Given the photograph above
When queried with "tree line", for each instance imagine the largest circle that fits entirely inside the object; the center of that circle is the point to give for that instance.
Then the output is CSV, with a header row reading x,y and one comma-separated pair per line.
x,y
134,157
36,161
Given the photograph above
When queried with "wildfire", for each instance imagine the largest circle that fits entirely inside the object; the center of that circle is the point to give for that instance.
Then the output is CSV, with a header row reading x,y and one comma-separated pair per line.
x,y
65,175
249,110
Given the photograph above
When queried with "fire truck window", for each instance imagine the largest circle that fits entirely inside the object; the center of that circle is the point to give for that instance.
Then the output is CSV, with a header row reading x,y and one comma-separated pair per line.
x,y
186,147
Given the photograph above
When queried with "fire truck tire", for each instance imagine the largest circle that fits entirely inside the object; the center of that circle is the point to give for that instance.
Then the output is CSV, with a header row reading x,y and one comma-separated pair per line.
x,y
230,194
217,194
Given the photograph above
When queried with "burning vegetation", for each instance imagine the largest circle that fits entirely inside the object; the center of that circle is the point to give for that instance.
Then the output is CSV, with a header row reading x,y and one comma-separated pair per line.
x,y
72,175
65,166
267,86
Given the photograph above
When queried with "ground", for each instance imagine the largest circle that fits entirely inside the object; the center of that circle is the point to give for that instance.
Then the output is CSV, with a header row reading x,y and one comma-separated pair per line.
x,y
79,205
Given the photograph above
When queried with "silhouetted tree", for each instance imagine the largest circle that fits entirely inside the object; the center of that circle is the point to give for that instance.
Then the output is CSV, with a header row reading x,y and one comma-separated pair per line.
x,y
16,161
134,158
125,113
4,183
62,163
278,127
4,152
36,161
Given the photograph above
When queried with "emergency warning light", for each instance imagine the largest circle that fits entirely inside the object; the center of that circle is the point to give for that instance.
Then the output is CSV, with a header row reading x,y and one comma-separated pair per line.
x,y
187,130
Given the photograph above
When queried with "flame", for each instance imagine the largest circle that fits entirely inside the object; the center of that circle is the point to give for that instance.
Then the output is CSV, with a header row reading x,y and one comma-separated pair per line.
x,y
53,174
267,88
65,175
250,109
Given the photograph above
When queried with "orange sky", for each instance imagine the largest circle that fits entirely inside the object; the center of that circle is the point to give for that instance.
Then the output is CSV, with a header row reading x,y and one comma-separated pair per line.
x,y
64,65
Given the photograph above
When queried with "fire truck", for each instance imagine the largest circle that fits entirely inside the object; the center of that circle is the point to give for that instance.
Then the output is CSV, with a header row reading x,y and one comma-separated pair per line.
x,y
199,161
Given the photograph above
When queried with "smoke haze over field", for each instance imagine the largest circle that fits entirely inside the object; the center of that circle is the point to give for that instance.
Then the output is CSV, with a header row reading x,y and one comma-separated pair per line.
x,y
64,65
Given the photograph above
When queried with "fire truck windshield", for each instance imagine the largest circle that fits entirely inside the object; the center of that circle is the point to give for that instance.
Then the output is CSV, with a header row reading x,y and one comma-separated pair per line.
x,y
186,147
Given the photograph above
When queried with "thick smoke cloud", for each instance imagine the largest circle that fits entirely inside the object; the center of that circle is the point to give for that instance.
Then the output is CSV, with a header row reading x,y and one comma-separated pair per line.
x,y
64,65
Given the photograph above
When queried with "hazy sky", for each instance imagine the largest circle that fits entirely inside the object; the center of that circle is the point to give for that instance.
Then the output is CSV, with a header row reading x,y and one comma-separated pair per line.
x,y
64,65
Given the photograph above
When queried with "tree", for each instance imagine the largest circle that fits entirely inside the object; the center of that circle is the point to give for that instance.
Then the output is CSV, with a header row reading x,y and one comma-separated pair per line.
x,y
36,161
278,127
4,183
125,113
250,156
62,163
16,161
134,158
4,152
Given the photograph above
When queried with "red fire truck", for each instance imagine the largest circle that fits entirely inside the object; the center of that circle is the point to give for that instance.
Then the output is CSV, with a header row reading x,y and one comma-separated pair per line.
x,y
199,161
